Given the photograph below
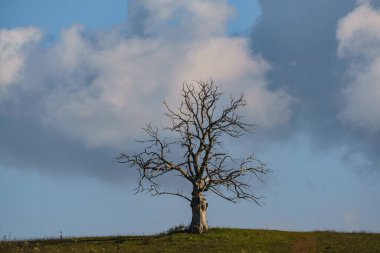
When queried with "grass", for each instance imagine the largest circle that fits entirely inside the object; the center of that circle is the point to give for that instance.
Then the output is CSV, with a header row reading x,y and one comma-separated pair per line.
x,y
216,240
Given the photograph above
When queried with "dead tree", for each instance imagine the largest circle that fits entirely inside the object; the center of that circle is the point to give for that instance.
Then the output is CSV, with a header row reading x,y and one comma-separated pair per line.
x,y
199,124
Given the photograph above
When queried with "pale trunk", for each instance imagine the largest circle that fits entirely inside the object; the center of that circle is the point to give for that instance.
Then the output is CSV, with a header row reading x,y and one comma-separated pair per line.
x,y
199,208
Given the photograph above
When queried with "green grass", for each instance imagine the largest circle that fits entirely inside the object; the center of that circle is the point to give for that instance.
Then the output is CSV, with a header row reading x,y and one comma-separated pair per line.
x,y
216,240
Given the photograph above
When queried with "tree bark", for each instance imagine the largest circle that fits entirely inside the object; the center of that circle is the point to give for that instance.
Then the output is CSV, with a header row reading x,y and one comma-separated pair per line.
x,y
199,208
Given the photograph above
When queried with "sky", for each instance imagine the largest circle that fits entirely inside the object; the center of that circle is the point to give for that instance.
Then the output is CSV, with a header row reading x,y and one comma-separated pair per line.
x,y
79,79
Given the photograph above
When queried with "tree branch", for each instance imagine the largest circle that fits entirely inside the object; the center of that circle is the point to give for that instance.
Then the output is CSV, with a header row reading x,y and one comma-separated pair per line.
x,y
200,123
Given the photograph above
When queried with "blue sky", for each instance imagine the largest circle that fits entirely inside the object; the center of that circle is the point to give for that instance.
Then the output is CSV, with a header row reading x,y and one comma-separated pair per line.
x,y
79,80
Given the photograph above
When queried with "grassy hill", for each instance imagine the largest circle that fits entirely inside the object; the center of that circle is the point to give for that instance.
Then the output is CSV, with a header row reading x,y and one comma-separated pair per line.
x,y
217,240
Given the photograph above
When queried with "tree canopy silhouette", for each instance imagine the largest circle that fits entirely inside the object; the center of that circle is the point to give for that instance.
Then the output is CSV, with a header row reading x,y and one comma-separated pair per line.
x,y
199,125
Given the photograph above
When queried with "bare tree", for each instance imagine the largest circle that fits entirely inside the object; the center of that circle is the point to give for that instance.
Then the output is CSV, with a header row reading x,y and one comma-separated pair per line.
x,y
199,125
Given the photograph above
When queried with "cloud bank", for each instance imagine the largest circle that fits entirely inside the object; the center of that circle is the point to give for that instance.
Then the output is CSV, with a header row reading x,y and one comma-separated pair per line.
x,y
308,67
86,96
325,54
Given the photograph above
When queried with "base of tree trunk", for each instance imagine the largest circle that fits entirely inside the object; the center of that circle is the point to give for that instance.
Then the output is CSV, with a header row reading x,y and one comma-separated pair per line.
x,y
195,229
198,222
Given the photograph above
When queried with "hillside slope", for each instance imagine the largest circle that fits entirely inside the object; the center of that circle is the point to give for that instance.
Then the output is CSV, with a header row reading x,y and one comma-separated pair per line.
x,y
217,240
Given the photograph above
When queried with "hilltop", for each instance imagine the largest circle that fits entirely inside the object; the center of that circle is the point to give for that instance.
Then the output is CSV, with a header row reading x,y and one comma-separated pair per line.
x,y
216,240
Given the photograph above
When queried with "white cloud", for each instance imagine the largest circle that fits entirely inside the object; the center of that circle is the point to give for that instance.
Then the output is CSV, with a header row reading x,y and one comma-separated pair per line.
x,y
222,58
268,108
363,98
13,50
358,33
102,88
229,62
359,41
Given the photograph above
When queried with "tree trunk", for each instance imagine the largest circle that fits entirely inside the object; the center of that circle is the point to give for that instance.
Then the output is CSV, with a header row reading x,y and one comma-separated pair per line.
x,y
199,207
